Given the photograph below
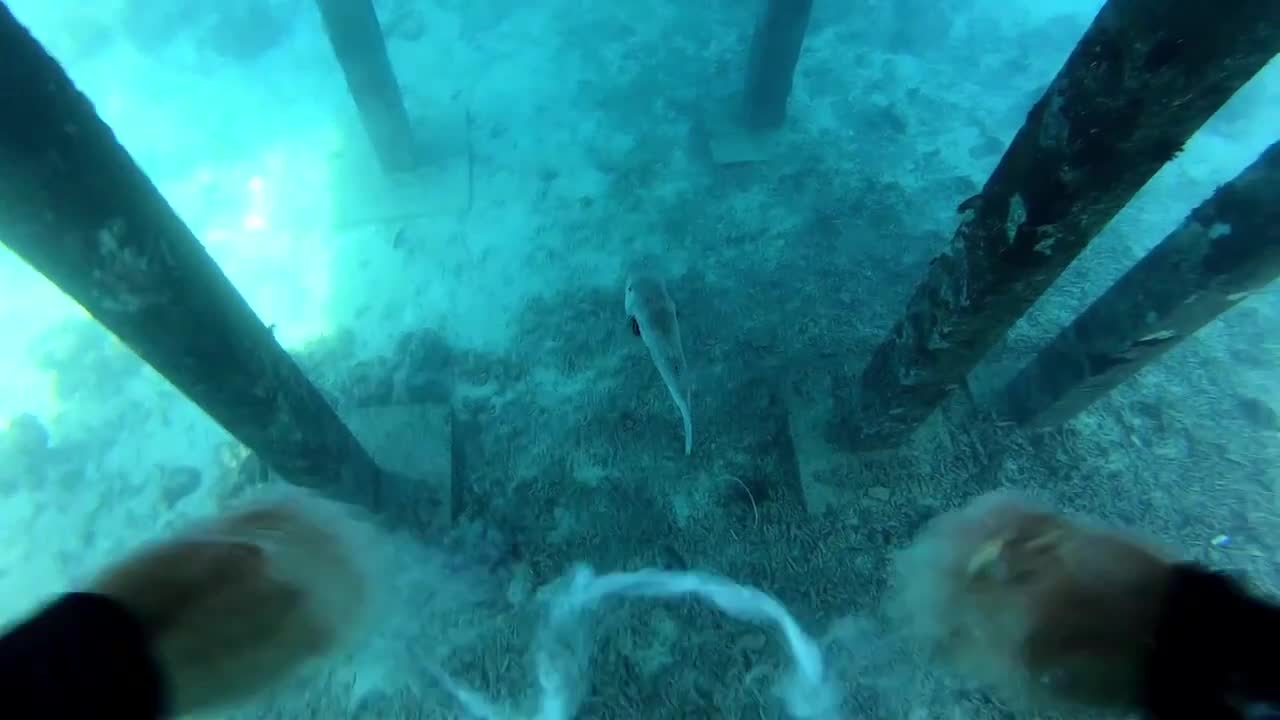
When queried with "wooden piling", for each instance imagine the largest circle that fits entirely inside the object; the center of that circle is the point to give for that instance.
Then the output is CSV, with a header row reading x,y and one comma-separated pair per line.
x,y
356,38
1143,78
775,50
1227,249
78,209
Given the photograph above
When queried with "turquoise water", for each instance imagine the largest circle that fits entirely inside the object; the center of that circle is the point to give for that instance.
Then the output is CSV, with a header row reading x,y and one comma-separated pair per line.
x,y
562,141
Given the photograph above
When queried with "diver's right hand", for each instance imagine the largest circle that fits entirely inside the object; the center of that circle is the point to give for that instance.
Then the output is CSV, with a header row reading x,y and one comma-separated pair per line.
x,y
1051,612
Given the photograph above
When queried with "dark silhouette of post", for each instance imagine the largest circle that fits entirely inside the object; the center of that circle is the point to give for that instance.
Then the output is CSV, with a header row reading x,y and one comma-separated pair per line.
x,y
76,207
1228,248
356,37
771,66
1143,78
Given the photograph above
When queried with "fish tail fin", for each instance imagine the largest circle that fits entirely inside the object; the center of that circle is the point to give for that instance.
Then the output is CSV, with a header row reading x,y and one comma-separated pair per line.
x,y
687,416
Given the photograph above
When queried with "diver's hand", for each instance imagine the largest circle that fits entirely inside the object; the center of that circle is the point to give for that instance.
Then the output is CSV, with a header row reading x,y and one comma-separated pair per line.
x,y
1047,610
233,605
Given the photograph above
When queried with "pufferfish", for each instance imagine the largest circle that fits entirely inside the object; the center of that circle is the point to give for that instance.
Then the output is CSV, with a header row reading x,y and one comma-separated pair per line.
x,y
655,320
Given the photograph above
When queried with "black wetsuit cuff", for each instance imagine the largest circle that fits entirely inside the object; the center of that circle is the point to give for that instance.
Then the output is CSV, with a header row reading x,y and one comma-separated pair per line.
x,y
1208,656
84,655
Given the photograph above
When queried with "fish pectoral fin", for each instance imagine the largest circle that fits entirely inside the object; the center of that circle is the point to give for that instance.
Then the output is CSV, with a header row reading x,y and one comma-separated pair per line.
x,y
635,326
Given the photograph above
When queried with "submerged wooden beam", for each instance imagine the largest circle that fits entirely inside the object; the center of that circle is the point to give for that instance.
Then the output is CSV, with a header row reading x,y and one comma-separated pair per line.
x,y
1228,248
1143,78
356,38
76,207
771,67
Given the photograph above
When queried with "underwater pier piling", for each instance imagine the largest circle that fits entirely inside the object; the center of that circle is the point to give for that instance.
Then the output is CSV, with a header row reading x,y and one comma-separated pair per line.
x,y
357,41
1226,249
1143,78
77,208
771,65
744,131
